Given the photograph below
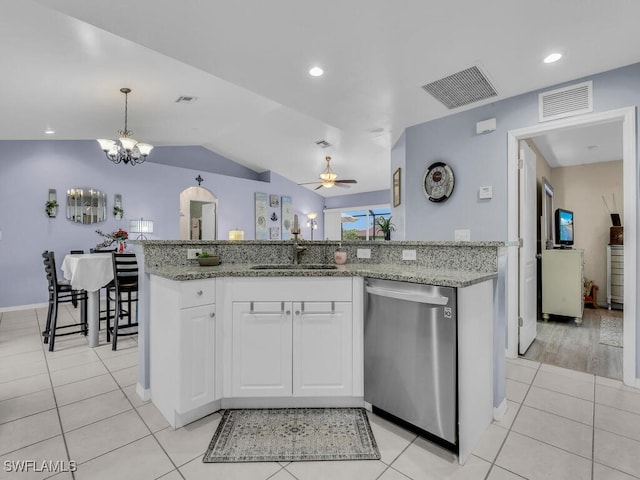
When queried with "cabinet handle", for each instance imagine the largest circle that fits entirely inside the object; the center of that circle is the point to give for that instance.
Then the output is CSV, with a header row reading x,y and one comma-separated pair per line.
x,y
288,312
199,292
212,314
297,312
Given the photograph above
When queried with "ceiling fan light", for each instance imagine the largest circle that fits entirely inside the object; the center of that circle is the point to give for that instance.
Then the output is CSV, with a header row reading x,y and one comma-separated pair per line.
x,y
106,144
328,184
128,143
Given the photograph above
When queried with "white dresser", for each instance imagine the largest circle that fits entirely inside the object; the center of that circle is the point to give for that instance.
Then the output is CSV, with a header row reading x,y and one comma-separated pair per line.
x,y
615,275
563,283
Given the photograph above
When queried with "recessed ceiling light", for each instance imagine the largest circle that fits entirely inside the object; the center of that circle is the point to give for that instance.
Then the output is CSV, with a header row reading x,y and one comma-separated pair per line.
x,y
49,131
316,72
553,57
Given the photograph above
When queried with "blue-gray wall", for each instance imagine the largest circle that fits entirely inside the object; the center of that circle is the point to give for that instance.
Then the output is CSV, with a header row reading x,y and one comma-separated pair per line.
x,y
28,169
377,197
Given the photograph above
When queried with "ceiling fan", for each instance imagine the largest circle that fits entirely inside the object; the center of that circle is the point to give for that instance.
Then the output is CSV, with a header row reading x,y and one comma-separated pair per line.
x,y
329,178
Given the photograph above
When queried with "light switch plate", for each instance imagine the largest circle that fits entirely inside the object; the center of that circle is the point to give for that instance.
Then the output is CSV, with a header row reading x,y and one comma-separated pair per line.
x,y
364,253
193,253
462,235
408,254
485,192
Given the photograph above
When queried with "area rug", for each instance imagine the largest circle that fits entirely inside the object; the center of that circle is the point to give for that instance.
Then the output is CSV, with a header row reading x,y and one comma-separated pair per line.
x,y
611,331
292,434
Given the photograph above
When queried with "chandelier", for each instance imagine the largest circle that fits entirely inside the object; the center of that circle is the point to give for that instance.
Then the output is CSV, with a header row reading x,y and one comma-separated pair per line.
x,y
128,150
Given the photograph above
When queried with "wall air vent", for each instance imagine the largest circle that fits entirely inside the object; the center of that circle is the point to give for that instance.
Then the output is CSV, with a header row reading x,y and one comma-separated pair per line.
x,y
566,102
323,144
186,99
462,88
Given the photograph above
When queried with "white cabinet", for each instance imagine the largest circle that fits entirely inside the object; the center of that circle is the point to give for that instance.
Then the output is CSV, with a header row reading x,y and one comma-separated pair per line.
x,y
182,348
262,349
300,345
292,348
615,274
322,348
196,364
563,283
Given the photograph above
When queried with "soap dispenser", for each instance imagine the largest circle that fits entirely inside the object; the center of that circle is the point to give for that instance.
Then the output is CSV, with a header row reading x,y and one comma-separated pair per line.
x,y
340,256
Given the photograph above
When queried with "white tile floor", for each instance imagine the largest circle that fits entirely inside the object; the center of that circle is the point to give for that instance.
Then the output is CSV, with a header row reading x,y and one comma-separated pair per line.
x,y
80,404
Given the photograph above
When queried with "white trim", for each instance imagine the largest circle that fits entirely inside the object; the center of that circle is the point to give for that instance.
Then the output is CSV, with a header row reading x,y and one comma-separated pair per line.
x,y
500,410
143,393
23,307
627,116
364,207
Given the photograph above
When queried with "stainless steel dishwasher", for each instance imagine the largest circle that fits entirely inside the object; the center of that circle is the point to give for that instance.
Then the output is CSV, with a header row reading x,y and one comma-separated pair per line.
x,y
410,356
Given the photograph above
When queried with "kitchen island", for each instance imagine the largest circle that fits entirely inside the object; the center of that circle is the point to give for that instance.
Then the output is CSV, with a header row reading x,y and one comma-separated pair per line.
x,y
236,336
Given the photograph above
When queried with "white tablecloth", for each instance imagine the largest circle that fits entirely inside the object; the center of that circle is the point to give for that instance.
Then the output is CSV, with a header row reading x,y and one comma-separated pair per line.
x,y
88,272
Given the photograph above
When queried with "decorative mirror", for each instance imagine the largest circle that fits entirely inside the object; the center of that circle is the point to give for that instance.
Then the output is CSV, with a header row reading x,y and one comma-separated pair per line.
x,y
86,205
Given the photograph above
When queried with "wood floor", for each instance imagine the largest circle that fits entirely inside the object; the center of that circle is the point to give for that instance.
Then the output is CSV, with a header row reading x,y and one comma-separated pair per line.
x,y
560,342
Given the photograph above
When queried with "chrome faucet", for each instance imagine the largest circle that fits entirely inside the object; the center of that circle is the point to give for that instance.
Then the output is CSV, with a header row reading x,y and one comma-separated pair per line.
x,y
296,250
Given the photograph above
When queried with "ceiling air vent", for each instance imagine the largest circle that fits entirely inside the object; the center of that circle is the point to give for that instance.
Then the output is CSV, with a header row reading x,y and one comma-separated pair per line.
x,y
186,99
566,101
462,88
323,143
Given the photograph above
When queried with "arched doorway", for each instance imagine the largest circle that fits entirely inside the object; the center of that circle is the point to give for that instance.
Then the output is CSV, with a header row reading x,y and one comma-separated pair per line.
x,y
198,214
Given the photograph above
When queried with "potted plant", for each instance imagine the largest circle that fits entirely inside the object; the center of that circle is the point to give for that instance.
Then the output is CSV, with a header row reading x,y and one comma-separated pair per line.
x,y
205,259
385,226
118,212
50,208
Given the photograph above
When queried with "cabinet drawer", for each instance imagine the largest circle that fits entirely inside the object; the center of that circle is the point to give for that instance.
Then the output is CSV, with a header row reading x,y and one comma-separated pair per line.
x,y
194,293
617,252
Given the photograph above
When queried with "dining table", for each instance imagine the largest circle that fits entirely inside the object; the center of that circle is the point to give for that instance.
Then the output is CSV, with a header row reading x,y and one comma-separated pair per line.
x,y
89,272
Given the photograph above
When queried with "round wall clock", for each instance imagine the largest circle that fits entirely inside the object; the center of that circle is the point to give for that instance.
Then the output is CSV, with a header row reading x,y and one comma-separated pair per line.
x,y
438,182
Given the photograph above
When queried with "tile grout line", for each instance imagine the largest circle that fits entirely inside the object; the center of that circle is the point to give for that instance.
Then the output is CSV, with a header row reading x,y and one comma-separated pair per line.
x,y
493,463
55,399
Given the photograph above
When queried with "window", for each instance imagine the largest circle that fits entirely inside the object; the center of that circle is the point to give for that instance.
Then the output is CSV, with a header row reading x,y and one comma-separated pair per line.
x,y
361,224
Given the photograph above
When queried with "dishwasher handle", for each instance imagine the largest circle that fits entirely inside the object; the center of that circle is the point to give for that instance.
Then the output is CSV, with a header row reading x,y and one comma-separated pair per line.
x,y
408,296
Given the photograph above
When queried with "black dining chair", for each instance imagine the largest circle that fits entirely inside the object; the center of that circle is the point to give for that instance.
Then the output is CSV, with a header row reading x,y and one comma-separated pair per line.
x,y
74,297
60,291
125,281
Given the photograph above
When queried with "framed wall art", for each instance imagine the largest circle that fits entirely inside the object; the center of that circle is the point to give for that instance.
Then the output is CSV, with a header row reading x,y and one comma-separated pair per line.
x,y
396,188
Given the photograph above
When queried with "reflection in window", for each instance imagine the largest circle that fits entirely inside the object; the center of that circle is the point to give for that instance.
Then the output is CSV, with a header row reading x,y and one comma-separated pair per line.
x,y
360,224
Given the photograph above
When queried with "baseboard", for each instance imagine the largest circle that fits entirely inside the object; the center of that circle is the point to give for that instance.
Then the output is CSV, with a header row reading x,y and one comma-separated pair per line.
x,y
292,402
500,410
23,307
143,393
182,419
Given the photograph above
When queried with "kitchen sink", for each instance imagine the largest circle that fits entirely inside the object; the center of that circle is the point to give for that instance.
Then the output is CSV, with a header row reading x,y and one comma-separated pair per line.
x,y
288,266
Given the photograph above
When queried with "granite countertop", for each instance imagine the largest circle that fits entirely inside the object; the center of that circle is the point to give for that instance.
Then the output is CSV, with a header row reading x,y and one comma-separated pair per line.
x,y
405,273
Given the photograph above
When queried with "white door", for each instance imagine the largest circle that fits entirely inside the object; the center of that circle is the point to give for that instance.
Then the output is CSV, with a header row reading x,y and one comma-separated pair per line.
x,y
208,221
322,349
261,349
197,362
527,265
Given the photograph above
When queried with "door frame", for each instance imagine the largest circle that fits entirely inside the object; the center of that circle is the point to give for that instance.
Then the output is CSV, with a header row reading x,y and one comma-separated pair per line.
x,y
627,116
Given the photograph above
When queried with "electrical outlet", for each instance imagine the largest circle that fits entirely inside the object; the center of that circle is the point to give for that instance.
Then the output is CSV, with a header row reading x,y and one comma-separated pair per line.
x,y
462,235
192,253
408,254
364,253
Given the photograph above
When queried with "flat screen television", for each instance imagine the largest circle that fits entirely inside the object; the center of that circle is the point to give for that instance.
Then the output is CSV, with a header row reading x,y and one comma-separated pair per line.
x,y
564,227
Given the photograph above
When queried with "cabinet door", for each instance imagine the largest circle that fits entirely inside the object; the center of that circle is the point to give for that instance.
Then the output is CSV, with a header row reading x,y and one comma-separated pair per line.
x,y
261,352
196,358
322,349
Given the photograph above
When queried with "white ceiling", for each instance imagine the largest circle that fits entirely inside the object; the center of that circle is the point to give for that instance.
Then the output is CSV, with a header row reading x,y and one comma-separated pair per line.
x,y
583,145
247,63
